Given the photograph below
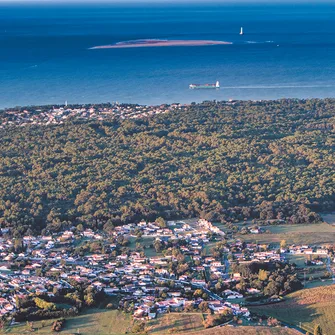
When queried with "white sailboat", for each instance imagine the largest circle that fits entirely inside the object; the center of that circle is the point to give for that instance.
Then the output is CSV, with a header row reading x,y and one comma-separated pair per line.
x,y
241,32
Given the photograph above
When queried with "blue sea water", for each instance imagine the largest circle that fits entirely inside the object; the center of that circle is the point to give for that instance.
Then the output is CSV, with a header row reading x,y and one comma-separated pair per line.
x,y
288,50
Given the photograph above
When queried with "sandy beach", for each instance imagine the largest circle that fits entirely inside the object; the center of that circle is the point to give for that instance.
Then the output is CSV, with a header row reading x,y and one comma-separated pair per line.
x,y
161,43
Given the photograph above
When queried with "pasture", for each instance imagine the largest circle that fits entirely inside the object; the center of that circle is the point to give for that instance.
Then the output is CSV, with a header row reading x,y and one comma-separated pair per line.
x,y
308,307
175,323
94,321
312,234
229,330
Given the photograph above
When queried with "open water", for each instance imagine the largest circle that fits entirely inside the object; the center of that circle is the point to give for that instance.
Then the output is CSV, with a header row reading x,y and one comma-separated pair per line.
x,y
288,50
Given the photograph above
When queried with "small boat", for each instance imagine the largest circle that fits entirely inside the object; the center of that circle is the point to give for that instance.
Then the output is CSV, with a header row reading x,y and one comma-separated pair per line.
x,y
241,32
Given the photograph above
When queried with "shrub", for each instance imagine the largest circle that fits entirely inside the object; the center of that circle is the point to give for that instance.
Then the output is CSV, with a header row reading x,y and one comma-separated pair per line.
x,y
40,303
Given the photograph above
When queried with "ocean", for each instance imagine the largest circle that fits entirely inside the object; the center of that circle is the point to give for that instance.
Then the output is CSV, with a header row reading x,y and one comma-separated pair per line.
x,y
286,51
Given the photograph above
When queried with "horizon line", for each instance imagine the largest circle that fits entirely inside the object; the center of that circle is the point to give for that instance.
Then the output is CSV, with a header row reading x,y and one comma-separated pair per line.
x,y
166,2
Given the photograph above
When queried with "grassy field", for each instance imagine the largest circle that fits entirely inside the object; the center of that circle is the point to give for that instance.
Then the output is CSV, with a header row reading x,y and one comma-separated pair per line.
x,y
321,233
318,283
103,322
176,322
145,242
191,324
309,306
300,259
244,331
96,321
301,228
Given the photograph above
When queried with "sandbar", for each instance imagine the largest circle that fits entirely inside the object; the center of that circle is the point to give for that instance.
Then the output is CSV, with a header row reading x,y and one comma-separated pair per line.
x,y
160,43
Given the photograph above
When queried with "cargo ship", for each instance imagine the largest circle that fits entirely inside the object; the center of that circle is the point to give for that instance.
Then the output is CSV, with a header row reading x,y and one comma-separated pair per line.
x,y
195,86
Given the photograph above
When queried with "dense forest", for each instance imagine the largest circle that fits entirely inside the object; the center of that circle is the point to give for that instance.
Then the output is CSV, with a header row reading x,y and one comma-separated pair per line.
x,y
219,160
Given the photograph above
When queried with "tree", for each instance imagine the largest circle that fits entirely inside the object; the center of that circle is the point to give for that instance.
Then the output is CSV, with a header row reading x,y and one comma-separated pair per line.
x,y
138,246
58,325
216,319
161,222
158,245
262,275
197,293
271,289
203,306
18,245
218,287
283,244
138,327
317,330
40,303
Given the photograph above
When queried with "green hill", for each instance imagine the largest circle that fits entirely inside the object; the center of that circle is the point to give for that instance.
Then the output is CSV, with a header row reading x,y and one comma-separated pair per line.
x,y
309,306
221,161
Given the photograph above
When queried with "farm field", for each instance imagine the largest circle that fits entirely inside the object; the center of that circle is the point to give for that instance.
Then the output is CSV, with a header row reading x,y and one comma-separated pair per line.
x,y
104,322
309,306
301,228
95,321
244,331
176,322
294,234
191,324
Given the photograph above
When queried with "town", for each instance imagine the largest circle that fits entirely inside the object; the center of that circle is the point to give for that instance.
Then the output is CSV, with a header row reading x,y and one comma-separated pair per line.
x,y
151,267
52,115
59,114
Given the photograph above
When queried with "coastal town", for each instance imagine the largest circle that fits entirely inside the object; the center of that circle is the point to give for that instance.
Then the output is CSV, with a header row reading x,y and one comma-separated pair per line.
x,y
53,115
56,115
151,267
